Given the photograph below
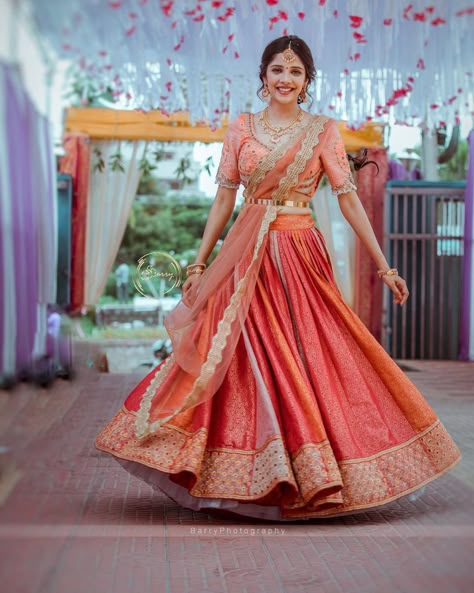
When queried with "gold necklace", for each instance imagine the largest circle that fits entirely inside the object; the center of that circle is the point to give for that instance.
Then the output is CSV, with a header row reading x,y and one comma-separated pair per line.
x,y
276,132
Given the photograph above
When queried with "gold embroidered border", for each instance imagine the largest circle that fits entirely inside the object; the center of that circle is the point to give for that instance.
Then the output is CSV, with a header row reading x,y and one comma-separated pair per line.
x,y
214,356
298,164
143,413
313,471
266,164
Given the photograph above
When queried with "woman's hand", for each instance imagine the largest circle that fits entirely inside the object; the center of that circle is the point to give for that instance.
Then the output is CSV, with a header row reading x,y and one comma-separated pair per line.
x,y
399,288
190,288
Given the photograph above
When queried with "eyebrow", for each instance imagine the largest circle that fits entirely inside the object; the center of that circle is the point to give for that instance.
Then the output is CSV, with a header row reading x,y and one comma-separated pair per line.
x,y
281,66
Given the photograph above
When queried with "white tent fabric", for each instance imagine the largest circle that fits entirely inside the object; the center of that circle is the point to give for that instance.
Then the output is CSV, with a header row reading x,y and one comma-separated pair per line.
x,y
111,194
387,60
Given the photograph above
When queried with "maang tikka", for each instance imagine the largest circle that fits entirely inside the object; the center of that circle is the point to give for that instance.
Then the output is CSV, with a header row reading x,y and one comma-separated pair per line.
x,y
289,55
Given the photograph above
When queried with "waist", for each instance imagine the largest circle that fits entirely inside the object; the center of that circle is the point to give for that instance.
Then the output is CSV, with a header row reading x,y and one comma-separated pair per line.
x,y
274,202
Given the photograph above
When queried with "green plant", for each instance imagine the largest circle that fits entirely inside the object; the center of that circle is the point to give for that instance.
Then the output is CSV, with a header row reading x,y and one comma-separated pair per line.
x,y
99,164
116,161
182,170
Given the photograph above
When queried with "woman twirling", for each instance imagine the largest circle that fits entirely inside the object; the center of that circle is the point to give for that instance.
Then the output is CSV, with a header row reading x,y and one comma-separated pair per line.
x,y
277,402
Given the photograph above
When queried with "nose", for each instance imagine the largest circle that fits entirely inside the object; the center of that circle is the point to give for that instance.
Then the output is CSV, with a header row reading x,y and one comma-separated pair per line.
x,y
285,75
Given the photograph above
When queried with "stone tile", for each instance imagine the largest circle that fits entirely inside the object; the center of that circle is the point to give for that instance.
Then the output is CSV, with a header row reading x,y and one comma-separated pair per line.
x,y
74,521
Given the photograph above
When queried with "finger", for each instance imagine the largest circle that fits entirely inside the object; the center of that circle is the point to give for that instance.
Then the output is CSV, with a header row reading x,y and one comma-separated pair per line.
x,y
401,284
396,291
406,294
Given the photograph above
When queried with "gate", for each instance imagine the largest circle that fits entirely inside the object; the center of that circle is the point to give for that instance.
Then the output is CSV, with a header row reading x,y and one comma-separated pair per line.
x,y
424,226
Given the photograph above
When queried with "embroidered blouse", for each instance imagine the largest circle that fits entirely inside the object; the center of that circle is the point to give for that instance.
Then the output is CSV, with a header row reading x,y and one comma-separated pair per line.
x,y
242,151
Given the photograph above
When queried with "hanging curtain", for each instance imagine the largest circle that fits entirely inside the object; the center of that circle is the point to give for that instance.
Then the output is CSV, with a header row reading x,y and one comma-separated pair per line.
x,y
340,240
467,303
76,163
111,194
27,217
368,289
43,175
376,60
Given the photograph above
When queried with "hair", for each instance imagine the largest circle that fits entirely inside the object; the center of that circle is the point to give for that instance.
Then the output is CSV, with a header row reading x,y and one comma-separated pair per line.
x,y
361,161
302,50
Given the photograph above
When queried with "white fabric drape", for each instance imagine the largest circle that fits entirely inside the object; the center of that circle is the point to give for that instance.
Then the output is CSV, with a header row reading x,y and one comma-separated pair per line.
x,y
7,247
44,175
28,249
379,60
111,194
340,240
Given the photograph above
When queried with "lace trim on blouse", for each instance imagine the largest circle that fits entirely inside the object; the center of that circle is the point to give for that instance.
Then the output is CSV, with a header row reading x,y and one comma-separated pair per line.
x,y
345,187
224,181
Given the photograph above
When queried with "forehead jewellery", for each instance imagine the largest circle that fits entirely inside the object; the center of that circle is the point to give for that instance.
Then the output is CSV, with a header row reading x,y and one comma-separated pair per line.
x,y
288,55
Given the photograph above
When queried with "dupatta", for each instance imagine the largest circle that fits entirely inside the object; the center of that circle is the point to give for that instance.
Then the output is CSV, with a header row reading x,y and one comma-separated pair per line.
x,y
204,336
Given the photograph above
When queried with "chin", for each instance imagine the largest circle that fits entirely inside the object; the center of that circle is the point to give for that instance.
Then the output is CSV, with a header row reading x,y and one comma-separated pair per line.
x,y
286,100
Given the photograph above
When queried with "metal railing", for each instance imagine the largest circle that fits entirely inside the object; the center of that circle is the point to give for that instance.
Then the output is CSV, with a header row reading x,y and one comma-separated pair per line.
x,y
424,226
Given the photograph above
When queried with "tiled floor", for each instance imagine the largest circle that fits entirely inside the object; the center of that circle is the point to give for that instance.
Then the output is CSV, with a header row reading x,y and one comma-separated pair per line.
x,y
73,521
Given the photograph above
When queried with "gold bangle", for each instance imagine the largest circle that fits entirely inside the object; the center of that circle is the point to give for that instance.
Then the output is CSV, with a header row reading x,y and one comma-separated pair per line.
x,y
195,266
194,271
389,272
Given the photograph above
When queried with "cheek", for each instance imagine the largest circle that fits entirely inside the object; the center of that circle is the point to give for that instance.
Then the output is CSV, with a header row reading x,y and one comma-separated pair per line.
x,y
271,79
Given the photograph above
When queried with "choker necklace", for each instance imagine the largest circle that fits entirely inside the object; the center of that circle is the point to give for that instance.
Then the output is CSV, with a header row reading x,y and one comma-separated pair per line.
x,y
276,132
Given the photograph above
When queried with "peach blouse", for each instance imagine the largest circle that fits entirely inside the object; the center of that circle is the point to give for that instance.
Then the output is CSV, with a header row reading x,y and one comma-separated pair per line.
x,y
242,151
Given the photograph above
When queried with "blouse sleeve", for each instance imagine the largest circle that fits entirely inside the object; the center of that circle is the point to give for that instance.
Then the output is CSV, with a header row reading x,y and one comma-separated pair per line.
x,y
335,162
228,171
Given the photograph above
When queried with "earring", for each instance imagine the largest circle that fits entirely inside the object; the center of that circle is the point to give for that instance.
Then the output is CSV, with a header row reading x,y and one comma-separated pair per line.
x,y
302,96
265,91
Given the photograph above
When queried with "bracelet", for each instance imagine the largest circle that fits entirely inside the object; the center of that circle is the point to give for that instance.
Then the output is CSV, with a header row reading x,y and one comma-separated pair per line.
x,y
389,272
195,269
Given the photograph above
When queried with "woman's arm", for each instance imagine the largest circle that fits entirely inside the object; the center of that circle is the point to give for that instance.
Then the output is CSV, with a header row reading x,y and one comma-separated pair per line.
x,y
355,214
219,215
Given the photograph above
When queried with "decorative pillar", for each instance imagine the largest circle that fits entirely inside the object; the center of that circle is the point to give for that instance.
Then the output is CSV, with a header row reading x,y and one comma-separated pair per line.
x,y
429,162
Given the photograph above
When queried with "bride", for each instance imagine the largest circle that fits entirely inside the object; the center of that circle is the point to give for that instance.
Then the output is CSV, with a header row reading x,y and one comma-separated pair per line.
x,y
277,402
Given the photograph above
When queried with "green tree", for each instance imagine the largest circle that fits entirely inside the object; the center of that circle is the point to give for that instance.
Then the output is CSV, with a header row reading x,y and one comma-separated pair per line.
x,y
456,168
168,225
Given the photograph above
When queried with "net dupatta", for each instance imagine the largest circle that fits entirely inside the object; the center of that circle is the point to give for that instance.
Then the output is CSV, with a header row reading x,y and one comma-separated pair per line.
x,y
205,335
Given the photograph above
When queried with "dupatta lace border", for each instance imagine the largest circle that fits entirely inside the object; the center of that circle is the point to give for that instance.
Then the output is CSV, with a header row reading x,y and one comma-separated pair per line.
x,y
143,427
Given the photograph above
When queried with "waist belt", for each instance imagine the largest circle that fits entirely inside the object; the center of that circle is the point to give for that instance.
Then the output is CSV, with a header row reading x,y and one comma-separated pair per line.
x,y
294,203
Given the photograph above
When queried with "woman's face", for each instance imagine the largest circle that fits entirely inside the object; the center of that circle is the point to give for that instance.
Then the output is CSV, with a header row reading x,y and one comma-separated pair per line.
x,y
285,80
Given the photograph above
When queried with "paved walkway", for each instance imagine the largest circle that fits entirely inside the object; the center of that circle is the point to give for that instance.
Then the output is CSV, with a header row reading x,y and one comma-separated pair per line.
x,y
72,521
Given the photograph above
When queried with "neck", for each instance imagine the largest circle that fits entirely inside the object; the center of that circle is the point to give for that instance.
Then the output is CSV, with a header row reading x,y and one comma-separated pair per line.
x,y
282,112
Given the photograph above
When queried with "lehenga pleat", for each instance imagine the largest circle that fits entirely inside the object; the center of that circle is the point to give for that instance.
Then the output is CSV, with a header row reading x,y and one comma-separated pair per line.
x,y
312,419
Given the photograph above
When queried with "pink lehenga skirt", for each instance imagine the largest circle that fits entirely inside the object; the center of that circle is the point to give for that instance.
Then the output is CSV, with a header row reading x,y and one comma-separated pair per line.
x,y
312,418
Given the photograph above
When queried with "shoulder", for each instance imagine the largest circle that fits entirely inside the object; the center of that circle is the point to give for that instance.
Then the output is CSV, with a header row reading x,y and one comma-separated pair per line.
x,y
237,124
324,120
329,128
